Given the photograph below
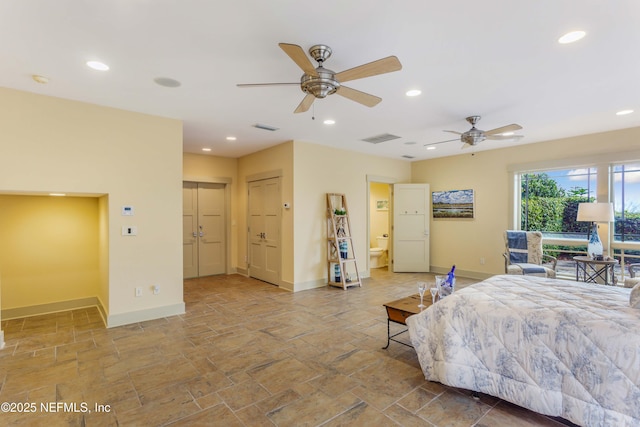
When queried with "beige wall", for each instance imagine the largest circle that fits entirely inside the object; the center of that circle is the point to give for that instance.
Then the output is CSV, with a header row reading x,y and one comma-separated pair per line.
x,y
464,242
54,145
49,249
307,172
320,170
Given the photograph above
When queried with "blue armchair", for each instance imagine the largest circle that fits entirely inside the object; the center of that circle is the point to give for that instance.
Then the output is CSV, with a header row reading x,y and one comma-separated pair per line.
x,y
524,255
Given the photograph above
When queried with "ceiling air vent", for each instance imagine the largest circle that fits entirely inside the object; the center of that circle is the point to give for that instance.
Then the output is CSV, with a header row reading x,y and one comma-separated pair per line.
x,y
406,156
381,138
265,127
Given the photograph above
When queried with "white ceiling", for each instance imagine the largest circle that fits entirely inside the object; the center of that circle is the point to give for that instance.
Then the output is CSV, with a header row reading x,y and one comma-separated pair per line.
x,y
496,58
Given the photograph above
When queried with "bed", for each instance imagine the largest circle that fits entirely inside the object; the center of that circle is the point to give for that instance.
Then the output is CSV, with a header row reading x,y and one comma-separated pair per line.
x,y
557,347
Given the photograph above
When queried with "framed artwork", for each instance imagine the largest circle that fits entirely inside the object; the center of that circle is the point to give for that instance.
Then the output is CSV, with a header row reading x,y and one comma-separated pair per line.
x,y
382,205
453,204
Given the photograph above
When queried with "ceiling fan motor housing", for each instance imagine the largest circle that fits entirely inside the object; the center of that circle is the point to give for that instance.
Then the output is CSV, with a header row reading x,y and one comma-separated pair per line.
x,y
321,86
473,136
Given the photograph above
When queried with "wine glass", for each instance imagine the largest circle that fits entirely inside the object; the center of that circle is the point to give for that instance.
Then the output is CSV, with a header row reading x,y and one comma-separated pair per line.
x,y
434,292
422,286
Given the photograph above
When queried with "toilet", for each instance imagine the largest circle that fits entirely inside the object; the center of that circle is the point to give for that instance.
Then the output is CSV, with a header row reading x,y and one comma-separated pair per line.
x,y
378,255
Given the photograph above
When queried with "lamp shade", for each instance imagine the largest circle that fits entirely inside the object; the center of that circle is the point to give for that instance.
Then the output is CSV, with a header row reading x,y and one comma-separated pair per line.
x,y
595,212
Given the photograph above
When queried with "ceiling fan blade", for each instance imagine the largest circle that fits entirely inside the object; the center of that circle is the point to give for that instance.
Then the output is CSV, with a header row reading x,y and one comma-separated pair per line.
x,y
453,131
504,137
305,104
357,96
442,142
298,55
503,129
381,66
265,84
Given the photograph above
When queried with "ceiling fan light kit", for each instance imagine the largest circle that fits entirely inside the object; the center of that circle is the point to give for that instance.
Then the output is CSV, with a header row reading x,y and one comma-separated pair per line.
x,y
319,82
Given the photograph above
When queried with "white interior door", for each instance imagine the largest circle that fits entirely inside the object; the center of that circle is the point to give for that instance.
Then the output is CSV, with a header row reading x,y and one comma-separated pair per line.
x,y
203,229
264,230
411,207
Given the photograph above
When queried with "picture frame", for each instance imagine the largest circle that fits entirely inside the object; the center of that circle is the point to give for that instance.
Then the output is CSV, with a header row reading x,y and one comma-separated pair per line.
x,y
453,204
382,205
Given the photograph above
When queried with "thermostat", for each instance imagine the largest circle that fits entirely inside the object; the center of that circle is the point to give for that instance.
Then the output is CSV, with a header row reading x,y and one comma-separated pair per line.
x,y
127,210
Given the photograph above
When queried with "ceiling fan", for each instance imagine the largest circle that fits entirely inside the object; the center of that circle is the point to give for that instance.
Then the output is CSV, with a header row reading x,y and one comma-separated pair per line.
x,y
320,82
475,136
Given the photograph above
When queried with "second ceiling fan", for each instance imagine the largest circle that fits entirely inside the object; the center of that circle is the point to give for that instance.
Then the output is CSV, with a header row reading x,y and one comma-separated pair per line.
x,y
475,136
320,82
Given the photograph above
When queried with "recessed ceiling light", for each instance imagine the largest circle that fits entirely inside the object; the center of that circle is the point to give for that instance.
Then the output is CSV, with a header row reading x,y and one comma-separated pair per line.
x,y
329,122
206,149
624,112
571,37
57,194
413,92
166,82
96,65
431,148
231,138
40,79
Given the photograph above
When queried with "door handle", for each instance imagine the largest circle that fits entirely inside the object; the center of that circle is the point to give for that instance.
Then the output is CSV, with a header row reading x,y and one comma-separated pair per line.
x,y
201,231
262,235
195,234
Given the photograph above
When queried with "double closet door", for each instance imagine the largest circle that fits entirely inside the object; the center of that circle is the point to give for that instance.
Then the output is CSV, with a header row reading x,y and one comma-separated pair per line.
x,y
203,229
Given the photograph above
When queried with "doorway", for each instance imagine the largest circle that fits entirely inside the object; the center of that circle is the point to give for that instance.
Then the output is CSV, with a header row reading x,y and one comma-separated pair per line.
x,y
264,230
379,225
203,229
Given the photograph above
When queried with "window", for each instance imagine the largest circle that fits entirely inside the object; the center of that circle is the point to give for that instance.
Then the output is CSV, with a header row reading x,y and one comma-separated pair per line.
x,y
549,201
626,198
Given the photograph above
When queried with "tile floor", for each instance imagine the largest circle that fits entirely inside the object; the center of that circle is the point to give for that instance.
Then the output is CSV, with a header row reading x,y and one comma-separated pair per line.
x,y
245,354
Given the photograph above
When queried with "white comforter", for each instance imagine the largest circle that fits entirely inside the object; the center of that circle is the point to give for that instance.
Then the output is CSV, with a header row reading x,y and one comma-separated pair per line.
x,y
556,347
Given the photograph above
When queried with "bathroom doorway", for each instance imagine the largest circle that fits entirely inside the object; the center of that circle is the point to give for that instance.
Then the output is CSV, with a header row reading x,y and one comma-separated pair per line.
x,y
379,225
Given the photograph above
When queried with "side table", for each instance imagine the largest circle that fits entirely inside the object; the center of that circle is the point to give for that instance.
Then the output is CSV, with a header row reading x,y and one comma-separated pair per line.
x,y
590,270
399,310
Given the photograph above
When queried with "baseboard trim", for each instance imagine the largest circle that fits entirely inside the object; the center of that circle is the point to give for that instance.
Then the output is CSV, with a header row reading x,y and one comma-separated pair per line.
x,y
313,284
102,311
121,319
54,307
462,273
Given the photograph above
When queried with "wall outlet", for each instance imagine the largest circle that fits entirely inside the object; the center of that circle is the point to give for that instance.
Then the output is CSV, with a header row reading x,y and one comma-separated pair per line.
x,y
482,261
138,292
129,230
156,289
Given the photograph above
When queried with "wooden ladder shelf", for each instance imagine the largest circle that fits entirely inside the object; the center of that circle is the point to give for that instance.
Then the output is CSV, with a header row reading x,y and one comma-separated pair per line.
x,y
342,268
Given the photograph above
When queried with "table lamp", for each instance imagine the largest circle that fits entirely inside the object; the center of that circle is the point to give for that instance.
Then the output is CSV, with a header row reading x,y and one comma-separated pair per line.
x,y
594,213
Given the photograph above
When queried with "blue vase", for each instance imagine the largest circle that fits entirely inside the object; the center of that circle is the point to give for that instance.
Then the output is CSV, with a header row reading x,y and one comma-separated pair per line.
x,y
344,249
594,248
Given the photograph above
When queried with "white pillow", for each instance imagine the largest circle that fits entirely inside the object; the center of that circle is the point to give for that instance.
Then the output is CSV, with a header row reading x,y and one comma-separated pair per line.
x,y
634,297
